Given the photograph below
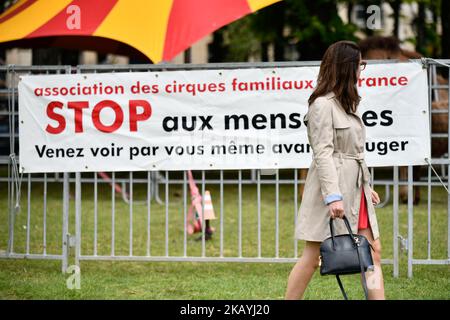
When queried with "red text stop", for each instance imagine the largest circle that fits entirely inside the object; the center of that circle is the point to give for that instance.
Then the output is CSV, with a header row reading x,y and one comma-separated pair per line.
x,y
138,110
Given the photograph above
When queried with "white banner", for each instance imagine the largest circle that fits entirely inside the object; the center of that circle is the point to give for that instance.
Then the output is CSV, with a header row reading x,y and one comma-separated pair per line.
x,y
212,119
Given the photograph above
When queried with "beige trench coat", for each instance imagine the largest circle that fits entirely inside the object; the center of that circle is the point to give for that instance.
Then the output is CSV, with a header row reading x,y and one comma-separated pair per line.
x,y
338,167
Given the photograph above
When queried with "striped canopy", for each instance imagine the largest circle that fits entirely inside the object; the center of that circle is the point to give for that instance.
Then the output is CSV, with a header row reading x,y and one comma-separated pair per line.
x,y
158,29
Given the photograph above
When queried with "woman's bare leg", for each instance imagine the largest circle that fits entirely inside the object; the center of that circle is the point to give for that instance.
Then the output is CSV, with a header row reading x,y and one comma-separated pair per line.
x,y
374,279
303,271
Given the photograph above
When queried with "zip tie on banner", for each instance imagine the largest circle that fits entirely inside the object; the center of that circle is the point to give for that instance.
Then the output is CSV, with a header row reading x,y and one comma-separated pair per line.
x,y
424,62
442,182
17,180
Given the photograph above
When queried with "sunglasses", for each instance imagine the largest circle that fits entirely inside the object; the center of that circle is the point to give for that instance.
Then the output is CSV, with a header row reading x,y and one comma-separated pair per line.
x,y
362,65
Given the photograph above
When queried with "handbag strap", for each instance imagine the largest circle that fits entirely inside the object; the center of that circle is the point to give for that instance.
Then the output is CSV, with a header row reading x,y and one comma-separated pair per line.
x,y
347,224
349,229
363,280
363,273
341,287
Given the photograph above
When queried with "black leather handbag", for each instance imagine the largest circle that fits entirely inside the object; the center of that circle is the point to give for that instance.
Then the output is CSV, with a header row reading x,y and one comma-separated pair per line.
x,y
346,254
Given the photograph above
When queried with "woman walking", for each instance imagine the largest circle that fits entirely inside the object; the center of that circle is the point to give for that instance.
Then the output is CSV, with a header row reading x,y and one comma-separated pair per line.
x,y
337,183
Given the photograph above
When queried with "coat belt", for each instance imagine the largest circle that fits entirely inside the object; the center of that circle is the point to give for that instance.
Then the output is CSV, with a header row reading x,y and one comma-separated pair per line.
x,y
363,171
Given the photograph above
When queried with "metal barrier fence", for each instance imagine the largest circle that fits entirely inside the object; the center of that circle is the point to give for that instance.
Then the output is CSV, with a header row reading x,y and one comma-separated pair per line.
x,y
115,218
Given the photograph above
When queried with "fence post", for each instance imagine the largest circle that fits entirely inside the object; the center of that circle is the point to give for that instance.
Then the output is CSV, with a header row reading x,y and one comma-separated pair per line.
x,y
11,223
448,171
77,217
410,221
395,224
65,233
10,164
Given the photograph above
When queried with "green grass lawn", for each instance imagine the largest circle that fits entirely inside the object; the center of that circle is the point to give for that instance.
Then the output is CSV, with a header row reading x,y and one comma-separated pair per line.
x,y
25,279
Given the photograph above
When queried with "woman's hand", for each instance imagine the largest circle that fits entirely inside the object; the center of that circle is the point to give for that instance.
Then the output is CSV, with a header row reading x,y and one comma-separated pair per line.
x,y
336,209
375,197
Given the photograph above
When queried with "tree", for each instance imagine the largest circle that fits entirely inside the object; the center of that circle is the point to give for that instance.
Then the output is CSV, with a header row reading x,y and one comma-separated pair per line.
x,y
396,5
426,38
315,25
304,27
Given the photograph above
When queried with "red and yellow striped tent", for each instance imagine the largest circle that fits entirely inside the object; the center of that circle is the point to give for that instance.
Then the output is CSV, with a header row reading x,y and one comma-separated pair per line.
x,y
157,29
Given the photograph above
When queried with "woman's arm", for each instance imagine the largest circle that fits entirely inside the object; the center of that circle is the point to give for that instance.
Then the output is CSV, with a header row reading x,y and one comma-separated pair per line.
x,y
320,135
375,197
